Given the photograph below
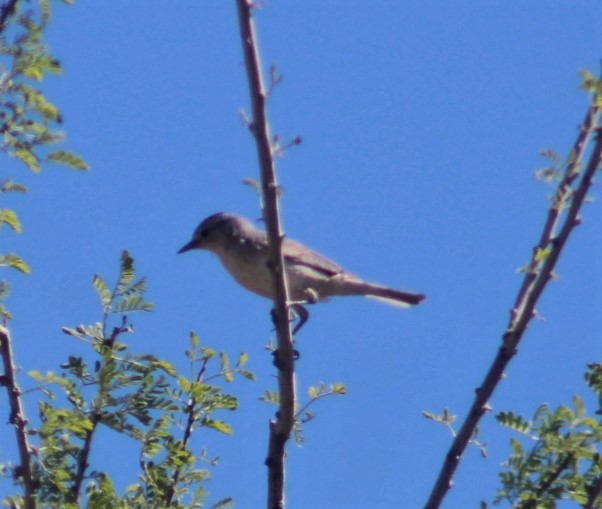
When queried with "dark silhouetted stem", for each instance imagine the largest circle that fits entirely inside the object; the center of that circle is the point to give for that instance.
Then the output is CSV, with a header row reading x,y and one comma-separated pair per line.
x,y
17,417
567,202
281,427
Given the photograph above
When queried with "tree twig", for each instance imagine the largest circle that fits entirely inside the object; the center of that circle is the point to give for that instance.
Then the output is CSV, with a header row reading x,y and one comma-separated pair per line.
x,y
190,421
82,460
538,274
281,427
17,417
546,485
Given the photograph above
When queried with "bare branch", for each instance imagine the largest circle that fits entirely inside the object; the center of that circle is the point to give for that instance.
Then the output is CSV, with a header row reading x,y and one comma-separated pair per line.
x,y
17,417
566,204
281,427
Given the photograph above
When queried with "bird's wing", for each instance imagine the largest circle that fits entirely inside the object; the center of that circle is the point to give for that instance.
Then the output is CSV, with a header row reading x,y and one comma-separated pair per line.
x,y
297,253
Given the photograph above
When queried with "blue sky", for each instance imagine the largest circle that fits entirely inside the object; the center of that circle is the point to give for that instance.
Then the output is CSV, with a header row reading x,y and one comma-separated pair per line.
x,y
422,124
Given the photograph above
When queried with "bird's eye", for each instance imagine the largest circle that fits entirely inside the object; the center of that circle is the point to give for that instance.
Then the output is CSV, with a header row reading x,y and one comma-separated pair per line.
x,y
204,233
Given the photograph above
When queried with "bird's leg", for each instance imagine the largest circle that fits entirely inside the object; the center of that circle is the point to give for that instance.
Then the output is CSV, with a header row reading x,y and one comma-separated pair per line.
x,y
296,310
299,311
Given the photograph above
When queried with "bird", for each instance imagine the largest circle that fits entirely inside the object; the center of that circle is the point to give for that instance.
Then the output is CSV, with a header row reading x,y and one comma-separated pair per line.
x,y
243,250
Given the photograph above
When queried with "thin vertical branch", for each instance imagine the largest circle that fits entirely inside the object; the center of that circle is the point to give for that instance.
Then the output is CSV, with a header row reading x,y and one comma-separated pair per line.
x,y
567,202
82,460
17,417
190,422
281,427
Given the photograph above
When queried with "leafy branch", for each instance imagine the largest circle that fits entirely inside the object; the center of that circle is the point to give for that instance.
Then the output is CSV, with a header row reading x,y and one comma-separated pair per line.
x,y
564,462
139,396
28,119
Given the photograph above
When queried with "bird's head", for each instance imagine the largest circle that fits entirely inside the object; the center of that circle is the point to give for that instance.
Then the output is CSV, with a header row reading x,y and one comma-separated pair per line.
x,y
217,231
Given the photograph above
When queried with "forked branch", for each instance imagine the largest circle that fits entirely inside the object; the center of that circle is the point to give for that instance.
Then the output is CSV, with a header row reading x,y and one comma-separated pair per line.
x,y
562,218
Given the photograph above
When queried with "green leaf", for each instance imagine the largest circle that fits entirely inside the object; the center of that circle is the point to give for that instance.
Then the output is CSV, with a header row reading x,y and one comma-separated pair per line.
x,y
16,262
243,358
166,366
45,10
185,384
29,158
132,303
315,390
517,448
4,290
224,361
579,407
5,313
68,159
208,353
36,100
542,254
103,291
226,402
10,186
219,426
338,388
194,340
513,421
33,72
590,83
225,367
8,217
226,503
249,375
127,272
103,495
73,332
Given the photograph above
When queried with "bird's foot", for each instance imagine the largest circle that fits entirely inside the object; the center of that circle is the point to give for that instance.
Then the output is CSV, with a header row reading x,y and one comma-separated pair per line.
x,y
298,310
278,362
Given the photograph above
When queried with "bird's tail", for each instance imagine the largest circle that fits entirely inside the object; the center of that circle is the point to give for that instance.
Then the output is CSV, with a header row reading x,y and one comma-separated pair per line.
x,y
398,298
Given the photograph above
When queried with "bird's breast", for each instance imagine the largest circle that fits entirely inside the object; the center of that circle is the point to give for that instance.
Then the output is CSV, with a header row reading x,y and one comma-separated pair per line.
x,y
248,266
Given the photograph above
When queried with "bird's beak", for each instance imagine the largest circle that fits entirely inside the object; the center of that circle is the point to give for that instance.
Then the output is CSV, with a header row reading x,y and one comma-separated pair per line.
x,y
188,247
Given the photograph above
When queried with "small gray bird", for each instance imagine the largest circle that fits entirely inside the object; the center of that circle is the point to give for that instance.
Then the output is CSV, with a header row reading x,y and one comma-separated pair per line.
x,y
243,250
